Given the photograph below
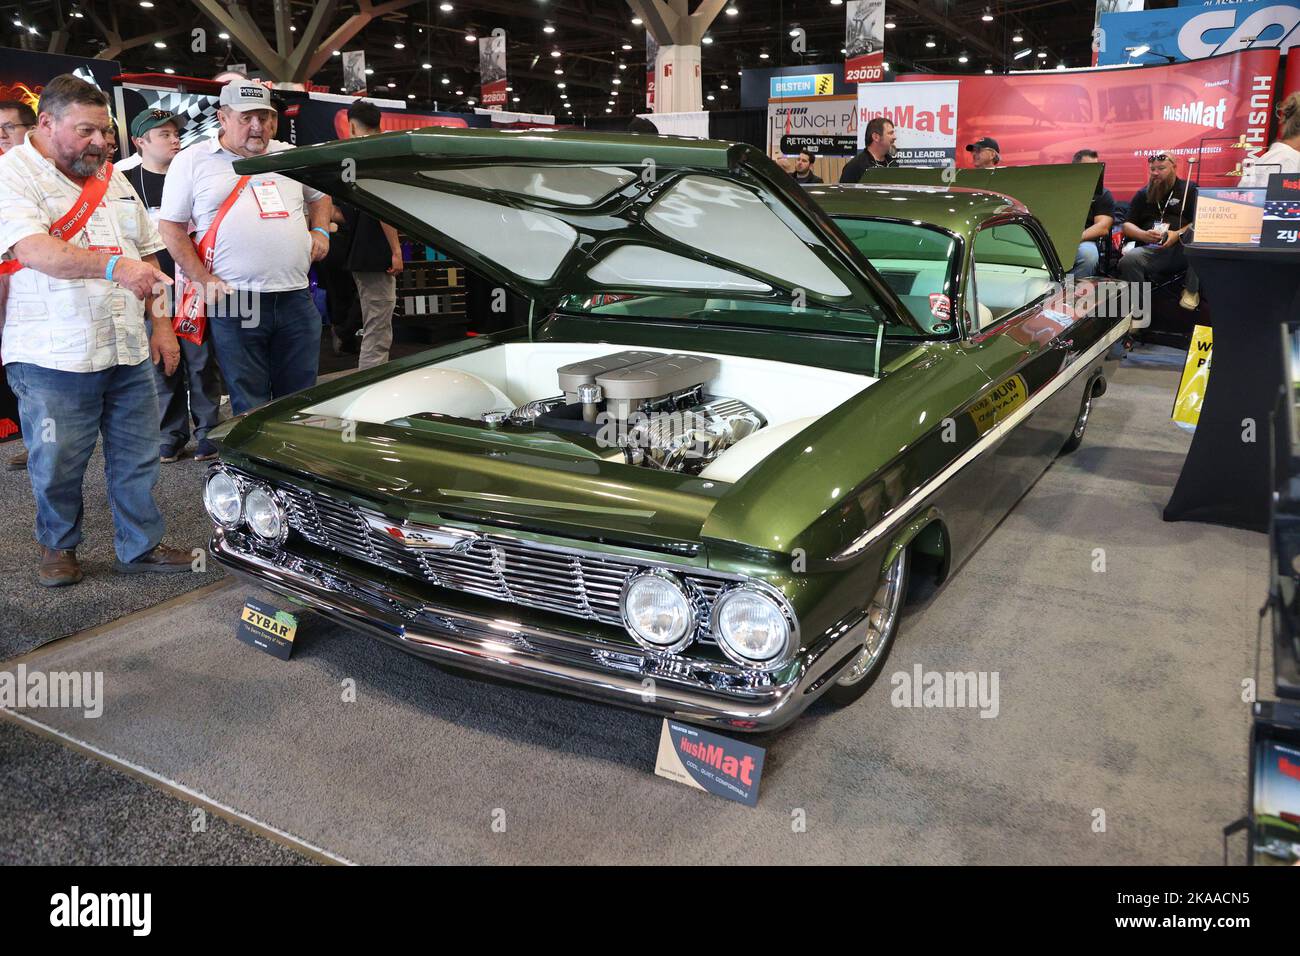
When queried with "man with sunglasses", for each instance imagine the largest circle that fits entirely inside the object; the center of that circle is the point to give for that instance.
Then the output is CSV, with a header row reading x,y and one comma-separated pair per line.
x,y
1160,215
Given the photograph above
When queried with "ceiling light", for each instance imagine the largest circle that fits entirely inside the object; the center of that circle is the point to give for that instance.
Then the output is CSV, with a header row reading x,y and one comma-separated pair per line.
x,y
410,96
78,14
471,101
392,85
224,36
370,71
636,21
510,89
292,28
1021,54
617,81
988,70
794,30
929,43
514,99
1139,50
709,97
1061,65
548,29
963,58
555,53
732,11
426,66
705,40
146,4
723,86
613,92
399,45
611,102
763,55
1042,54
890,24
836,3
1017,38
445,81
160,44
622,66
559,72
885,67
168,70
608,110
460,92
988,15
336,53
445,7
560,86
628,46
471,38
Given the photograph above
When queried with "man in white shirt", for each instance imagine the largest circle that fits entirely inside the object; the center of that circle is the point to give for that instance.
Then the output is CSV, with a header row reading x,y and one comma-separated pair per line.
x,y
1284,155
264,326
80,252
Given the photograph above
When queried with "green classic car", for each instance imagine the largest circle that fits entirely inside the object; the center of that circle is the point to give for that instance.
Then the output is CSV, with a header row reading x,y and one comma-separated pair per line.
x,y
739,414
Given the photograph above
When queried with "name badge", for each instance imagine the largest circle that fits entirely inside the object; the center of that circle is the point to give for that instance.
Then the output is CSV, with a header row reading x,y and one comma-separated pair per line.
x,y
101,233
269,202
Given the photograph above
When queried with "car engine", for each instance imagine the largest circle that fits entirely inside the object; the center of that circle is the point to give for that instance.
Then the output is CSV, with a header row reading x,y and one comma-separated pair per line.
x,y
652,407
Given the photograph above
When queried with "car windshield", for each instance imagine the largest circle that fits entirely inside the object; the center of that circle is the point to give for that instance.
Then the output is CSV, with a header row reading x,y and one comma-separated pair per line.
x,y
917,262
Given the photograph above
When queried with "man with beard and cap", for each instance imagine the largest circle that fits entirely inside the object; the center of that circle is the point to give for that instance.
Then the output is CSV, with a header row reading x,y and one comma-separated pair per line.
x,y
193,391
82,270
1159,216
264,326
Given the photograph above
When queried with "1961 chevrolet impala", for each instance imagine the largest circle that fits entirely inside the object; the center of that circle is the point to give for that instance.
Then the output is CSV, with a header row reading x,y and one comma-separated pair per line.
x,y
695,483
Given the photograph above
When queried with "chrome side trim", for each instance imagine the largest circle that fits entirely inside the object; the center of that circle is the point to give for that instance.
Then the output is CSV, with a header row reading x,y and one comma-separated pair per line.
x,y
903,509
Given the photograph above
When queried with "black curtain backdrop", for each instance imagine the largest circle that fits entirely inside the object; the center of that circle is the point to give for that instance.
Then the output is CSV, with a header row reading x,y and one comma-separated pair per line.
x,y
739,126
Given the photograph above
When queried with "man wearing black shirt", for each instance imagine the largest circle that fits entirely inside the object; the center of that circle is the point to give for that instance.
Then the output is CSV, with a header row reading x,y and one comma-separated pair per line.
x,y
1096,228
1159,216
879,151
375,260
192,391
803,173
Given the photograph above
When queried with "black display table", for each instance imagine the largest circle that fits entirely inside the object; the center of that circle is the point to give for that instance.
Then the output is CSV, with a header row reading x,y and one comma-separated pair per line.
x,y
1226,479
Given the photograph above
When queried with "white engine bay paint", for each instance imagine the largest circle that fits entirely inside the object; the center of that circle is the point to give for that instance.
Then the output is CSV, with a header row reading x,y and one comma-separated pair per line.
x,y
790,397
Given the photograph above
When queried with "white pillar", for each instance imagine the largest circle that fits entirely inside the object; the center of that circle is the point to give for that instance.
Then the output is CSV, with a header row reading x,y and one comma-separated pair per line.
x,y
678,87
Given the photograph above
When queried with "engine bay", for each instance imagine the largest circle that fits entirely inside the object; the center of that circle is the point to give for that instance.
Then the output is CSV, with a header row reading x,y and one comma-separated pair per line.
x,y
653,407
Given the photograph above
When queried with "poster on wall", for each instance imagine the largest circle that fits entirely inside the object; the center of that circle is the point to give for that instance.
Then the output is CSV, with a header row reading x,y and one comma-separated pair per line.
x,y
492,69
821,125
1194,109
651,56
864,41
924,117
1194,33
354,72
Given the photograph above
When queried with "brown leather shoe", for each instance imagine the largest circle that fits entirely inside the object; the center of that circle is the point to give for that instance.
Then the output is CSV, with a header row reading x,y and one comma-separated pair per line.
x,y
161,560
58,568
18,462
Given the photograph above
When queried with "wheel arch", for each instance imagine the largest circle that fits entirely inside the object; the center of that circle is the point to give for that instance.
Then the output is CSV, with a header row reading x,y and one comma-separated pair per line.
x,y
927,535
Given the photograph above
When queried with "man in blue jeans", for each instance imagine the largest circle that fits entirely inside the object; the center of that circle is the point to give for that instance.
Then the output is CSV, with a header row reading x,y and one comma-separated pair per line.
x,y
80,253
264,326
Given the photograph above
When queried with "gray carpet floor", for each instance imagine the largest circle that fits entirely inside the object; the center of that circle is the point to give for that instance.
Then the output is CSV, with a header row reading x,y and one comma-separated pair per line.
x,y
59,808
1119,705
31,615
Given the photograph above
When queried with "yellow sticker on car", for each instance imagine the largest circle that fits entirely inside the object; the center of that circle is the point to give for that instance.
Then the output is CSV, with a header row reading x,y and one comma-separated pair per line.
x,y
1005,398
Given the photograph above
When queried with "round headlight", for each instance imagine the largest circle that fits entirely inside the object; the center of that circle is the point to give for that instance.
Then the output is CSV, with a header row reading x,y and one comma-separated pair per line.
x,y
751,626
657,611
263,513
221,498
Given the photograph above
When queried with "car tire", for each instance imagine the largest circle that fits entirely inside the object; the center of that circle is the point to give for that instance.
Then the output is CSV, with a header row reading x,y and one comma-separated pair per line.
x,y
886,611
1080,424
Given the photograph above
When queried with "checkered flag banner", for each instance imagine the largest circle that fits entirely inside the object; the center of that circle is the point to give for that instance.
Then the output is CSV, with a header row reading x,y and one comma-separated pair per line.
x,y
198,109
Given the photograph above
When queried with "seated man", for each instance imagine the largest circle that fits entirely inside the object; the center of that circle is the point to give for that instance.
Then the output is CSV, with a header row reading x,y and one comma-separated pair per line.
x,y
1096,228
1159,215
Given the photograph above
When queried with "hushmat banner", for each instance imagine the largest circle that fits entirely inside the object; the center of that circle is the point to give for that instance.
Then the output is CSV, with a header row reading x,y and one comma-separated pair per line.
x,y
492,69
822,125
1193,33
864,41
1124,114
924,115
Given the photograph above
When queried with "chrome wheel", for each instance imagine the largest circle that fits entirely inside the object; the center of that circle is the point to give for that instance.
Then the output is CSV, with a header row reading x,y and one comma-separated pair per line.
x,y
882,617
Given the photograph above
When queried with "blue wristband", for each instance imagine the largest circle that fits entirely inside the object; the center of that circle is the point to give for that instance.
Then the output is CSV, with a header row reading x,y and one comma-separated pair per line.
x,y
108,269
323,232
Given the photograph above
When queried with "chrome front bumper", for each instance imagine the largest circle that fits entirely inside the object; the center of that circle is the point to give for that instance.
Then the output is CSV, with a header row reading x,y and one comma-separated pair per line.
x,y
556,657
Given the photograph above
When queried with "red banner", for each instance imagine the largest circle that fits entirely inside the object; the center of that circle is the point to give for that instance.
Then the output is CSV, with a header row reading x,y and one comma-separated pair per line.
x,y
1125,114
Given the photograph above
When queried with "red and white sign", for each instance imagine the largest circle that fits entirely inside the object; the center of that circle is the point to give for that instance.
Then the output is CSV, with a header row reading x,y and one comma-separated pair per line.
x,y
492,70
924,117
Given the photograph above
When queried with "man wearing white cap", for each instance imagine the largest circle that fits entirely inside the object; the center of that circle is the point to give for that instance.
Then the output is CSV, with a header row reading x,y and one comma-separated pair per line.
x,y
257,237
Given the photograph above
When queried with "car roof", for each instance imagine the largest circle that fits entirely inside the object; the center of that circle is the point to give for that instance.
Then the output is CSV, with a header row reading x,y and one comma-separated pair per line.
x,y
956,208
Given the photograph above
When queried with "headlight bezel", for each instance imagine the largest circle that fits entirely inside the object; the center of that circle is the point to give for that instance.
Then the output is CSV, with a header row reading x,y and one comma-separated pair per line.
x,y
240,491
277,506
689,596
779,602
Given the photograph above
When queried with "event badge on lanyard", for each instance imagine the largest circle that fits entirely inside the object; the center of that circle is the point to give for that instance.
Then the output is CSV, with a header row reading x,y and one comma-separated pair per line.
x,y
269,203
101,233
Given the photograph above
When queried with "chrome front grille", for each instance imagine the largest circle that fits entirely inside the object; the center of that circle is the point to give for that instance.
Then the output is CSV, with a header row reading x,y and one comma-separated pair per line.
x,y
497,567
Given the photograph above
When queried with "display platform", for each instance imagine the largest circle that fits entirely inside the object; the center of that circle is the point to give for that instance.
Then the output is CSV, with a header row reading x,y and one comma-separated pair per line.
x,y
1103,704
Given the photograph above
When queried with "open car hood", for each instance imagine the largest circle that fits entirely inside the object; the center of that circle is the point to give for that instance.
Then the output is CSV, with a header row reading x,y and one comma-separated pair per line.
x,y
1059,196
550,214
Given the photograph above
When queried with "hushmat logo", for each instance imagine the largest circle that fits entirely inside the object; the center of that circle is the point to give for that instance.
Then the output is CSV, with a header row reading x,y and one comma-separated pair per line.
x,y
716,757
74,909
908,116
1197,114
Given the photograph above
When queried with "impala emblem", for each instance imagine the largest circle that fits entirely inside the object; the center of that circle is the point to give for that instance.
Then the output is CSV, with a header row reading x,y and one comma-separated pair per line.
x,y
424,537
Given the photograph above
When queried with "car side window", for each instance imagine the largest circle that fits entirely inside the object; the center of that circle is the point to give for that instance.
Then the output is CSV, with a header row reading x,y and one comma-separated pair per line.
x,y
1009,271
